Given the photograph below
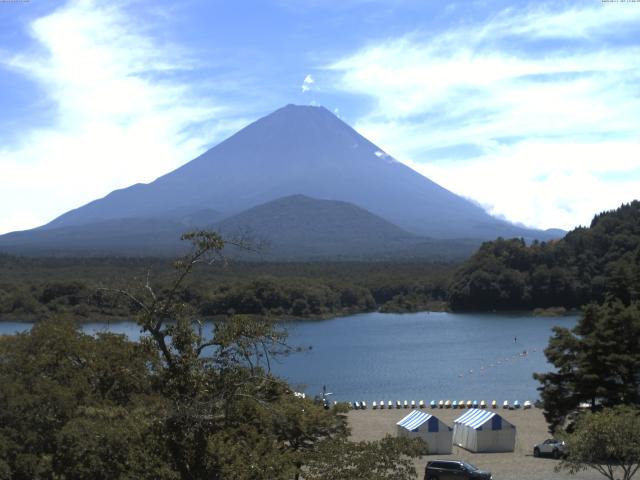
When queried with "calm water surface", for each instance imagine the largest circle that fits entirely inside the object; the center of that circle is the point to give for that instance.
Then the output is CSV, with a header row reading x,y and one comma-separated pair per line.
x,y
378,356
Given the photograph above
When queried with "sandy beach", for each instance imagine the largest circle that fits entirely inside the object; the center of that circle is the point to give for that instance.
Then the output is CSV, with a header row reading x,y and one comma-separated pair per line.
x,y
519,465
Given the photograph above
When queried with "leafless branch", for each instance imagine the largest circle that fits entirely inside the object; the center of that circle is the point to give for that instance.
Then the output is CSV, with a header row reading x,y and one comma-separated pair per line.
x,y
127,294
148,287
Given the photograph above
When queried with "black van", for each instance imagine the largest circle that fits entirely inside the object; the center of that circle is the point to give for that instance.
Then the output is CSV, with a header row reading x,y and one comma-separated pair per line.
x,y
454,470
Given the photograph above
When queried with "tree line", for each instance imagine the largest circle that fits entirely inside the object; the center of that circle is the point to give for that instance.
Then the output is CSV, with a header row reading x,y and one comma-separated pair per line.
x,y
35,288
587,265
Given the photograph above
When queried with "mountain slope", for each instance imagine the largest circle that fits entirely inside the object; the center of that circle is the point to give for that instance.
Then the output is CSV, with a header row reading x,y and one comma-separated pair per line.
x,y
302,228
300,219
130,236
309,151
299,227
293,228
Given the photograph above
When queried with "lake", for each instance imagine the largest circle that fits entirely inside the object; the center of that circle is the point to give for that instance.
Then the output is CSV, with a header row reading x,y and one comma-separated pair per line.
x,y
412,356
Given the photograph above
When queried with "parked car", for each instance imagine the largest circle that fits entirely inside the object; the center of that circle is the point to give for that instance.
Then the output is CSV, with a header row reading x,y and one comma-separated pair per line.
x,y
551,447
454,469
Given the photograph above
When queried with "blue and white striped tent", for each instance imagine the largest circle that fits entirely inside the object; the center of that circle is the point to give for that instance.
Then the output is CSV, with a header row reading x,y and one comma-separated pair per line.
x,y
484,431
423,425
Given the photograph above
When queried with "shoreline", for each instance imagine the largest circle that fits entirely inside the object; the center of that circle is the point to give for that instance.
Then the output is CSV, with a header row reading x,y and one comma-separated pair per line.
x,y
537,312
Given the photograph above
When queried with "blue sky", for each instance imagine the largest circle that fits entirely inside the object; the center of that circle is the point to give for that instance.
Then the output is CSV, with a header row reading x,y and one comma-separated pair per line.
x,y
530,109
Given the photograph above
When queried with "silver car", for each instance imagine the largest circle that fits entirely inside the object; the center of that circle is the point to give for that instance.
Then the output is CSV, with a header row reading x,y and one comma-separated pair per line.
x,y
551,447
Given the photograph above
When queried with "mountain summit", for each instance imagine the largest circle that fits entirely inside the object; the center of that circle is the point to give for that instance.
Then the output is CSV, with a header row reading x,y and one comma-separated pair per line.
x,y
300,150
296,150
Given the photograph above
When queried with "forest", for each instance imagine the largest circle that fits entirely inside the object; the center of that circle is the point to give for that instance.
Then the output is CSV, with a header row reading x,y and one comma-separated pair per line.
x,y
41,287
587,265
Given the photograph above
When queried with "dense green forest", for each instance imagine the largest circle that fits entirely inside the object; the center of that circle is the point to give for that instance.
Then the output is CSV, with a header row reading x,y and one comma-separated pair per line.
x,y
587,265
39,287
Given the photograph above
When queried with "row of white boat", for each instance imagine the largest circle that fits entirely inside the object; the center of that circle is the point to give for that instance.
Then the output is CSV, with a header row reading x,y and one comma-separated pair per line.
x,y
440,404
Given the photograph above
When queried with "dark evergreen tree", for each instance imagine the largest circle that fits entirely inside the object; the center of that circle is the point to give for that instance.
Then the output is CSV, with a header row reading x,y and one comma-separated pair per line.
x,y
597,362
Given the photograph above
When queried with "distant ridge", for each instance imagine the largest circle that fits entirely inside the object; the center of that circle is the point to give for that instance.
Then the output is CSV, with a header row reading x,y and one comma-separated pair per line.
x,y
300,219
299,227
291,228
295,150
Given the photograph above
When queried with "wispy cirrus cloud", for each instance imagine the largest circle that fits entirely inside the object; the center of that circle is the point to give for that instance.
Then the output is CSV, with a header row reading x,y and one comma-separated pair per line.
x,y
502,110
121,113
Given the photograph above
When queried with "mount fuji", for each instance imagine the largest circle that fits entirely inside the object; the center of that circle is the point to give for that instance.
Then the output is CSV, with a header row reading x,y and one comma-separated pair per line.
x,y
297,153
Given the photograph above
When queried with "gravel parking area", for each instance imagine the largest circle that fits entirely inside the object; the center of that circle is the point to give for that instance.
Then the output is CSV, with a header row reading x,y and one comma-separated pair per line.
x,y
518,465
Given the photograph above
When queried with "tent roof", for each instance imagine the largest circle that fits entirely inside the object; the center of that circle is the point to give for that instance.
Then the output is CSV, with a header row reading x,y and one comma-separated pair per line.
x,y
475,418
414,420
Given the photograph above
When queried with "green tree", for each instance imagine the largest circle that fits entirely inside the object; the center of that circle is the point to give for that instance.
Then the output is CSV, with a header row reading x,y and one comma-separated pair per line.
x,y
597,362
387,459
105,443
56,382
228,416
606,441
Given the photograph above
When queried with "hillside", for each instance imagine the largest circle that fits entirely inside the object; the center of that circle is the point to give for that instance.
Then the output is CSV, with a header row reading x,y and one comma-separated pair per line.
x,y
123,236
585,266
291,228
299,227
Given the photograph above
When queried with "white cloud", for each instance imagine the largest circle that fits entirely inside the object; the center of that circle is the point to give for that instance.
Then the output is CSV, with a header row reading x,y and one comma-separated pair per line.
x,y
545,184
308,83
121,118
587,22
516,108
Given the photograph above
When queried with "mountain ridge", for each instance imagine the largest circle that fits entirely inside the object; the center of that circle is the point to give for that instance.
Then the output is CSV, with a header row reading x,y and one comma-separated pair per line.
x,y
292,228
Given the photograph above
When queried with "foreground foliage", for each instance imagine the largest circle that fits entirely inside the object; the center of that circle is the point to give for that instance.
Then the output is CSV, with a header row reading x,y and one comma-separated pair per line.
x,y
72,400
180,404
607,441
388,459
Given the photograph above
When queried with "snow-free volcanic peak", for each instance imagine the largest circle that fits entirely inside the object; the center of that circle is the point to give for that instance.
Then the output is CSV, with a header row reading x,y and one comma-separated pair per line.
x,y
303,150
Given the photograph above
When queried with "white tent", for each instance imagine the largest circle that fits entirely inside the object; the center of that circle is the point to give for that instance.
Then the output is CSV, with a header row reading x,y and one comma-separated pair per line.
x,y
484,431
423,425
